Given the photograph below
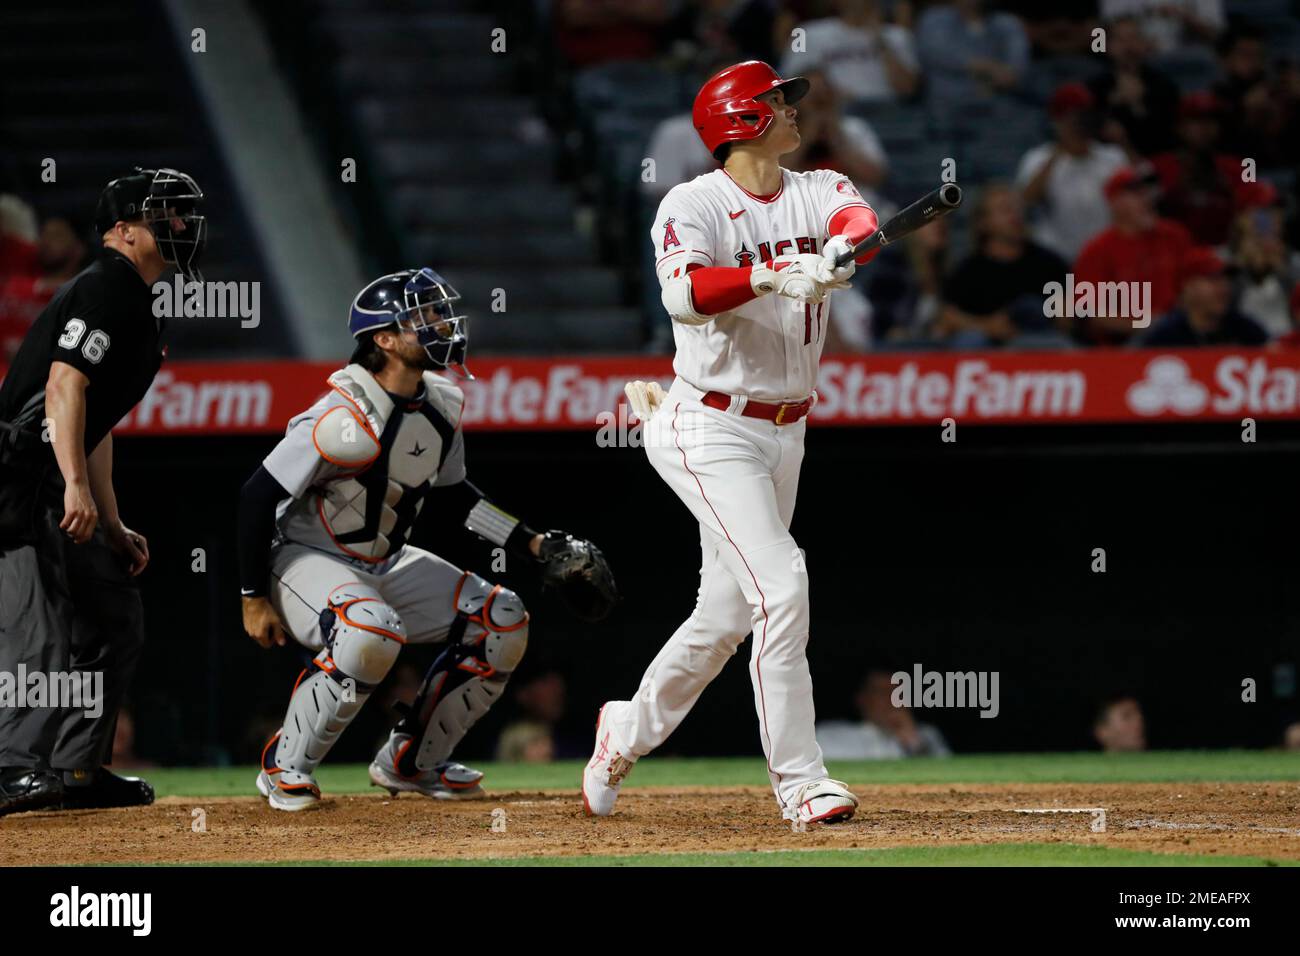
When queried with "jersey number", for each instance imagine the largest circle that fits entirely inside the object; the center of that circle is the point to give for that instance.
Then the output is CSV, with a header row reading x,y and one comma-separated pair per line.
x,y
810,310
96,343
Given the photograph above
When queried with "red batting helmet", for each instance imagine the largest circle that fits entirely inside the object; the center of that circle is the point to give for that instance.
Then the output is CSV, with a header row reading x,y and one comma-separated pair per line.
x,y
729,97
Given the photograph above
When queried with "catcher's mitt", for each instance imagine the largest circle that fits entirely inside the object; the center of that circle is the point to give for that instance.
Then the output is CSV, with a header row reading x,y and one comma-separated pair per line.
x,y
578,572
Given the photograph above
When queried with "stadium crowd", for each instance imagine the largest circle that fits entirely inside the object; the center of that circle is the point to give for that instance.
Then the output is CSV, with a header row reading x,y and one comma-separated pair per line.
x,y
1161,149
1148,141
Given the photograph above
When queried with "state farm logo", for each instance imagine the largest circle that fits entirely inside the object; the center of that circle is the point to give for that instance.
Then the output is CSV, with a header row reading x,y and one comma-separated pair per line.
x,y
1168,386
854,391
1252,384
173,404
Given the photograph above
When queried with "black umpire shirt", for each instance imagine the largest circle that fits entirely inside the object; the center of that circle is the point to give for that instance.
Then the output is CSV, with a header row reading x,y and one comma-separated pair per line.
x,y
101,323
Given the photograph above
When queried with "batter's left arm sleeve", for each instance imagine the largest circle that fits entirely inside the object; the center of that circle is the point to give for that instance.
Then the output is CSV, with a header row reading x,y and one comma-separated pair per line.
x,y
257,503
847,213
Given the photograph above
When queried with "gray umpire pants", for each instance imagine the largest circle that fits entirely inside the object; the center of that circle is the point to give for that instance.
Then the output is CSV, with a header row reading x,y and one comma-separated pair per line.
x,y
66,609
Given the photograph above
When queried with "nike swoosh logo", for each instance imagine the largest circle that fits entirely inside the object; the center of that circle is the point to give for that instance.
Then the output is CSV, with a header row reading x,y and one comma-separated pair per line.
x,y
736,215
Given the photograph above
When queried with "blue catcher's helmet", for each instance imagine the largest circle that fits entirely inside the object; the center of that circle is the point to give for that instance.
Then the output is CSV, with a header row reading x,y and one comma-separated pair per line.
x,y
419,301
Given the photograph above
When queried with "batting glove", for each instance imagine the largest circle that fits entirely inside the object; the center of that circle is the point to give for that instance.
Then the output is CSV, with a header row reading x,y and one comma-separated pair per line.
x,y
802,277
832,251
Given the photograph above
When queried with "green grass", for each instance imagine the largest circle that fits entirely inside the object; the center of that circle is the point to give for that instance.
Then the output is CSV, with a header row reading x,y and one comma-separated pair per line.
x,y
1000,854
1156,767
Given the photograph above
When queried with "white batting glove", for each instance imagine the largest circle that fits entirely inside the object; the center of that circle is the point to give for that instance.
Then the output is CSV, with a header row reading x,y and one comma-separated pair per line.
x,y
832,251
802,277
645,398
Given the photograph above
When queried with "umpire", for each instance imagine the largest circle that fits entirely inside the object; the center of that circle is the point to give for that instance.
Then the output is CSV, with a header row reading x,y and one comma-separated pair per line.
x,y
68,601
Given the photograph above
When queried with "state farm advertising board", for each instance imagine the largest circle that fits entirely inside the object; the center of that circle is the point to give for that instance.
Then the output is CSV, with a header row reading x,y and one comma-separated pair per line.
x,y
581,393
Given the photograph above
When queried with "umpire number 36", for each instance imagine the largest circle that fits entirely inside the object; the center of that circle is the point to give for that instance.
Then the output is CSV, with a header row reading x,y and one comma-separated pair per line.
x,y
96,342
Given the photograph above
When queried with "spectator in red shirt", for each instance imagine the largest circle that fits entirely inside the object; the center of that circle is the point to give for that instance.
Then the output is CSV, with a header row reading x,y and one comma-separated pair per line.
x,y
59,255
1202,187
1207,315
1139,246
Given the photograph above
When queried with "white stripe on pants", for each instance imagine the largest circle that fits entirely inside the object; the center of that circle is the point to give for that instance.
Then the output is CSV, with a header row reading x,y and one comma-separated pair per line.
x,y
739,477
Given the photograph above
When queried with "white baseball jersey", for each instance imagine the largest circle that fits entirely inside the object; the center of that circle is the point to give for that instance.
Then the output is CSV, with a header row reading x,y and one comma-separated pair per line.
x,y
769,348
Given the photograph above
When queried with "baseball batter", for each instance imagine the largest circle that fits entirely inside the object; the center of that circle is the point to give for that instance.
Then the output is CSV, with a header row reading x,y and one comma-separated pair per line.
x,y
745,258
323,555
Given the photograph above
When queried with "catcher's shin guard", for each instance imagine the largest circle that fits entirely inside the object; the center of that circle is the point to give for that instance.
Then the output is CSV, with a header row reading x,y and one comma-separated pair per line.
x,y
487,642
363,637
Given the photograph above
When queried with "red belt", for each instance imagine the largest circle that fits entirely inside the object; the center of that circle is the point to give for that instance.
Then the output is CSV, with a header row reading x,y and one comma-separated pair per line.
x,y
781,414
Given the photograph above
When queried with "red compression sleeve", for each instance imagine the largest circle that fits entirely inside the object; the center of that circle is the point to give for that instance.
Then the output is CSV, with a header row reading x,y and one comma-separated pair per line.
x,y
856,222
717,289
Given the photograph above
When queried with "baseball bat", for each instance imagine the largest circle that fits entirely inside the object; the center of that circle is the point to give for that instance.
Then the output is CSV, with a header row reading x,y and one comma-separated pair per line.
x,y
928,208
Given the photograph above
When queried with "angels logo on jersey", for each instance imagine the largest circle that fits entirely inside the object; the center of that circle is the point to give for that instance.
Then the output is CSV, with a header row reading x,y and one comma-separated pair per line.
x,y
745,257
847,188
670,234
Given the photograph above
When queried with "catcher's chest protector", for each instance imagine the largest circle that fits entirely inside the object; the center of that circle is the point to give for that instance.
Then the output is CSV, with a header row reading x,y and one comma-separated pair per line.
x,y
369,512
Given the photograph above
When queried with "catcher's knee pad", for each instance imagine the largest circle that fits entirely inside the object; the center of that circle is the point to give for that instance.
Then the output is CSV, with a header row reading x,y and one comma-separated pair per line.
x,y
487,642
362,633
363,637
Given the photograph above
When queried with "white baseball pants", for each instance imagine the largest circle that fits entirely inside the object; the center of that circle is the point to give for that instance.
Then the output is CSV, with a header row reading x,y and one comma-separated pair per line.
x,y
738,476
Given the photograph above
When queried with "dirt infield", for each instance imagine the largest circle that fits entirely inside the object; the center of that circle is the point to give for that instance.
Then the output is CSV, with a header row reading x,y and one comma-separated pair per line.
x,y
1229,819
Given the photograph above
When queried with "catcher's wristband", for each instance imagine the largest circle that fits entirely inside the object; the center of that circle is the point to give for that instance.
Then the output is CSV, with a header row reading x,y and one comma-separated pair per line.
x,y
500,527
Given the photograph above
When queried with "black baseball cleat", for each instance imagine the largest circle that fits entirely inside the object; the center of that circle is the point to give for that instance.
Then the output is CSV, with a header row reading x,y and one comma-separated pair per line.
x,y
22,789
108,790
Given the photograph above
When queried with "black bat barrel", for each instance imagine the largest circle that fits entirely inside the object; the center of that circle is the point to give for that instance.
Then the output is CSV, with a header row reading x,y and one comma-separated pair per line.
x,y
929,207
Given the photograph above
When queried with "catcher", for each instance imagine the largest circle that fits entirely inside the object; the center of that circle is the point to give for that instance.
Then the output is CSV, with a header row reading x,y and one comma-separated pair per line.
x,y
323,524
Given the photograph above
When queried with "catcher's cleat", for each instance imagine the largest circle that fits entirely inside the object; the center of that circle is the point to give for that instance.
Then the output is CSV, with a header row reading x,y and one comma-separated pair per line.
x,y
287,790
23,789
604,773
108,790
822,801
446,781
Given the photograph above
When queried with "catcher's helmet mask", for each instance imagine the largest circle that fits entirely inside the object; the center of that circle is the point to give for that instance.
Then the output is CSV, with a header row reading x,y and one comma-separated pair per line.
x,y
727,108
169,202
419,301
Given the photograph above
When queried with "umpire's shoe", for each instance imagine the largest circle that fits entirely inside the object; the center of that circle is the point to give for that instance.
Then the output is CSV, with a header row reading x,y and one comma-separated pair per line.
x,y
25,789
108,790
